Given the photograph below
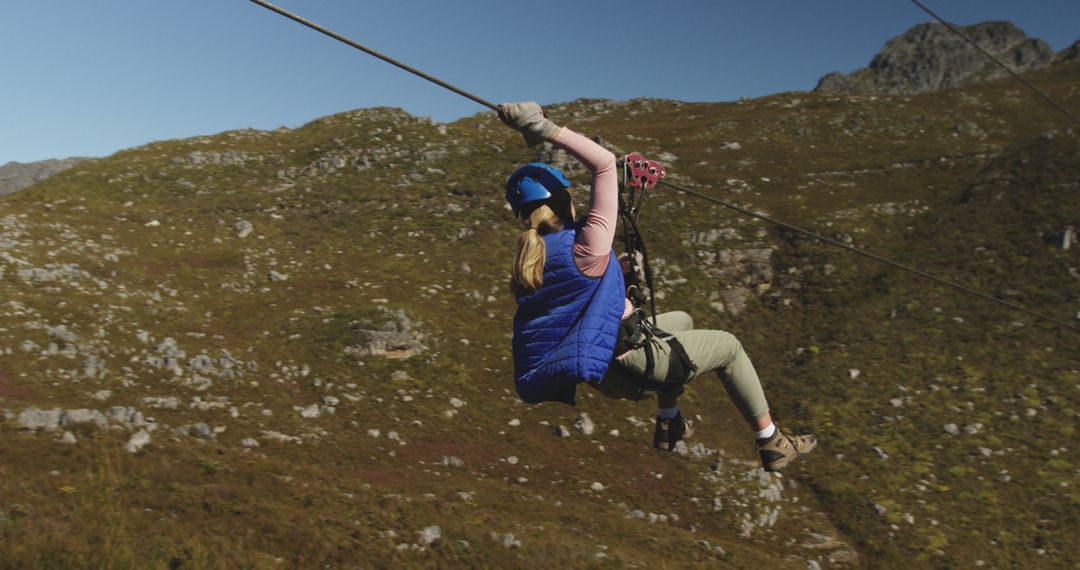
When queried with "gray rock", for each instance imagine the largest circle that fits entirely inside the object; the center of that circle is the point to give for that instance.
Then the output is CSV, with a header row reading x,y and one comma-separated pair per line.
x,y
275,276
1066,238
584,424
558,158
434,155
451,461
68,438
249,442
429,535
951,429
35,419
92,367
122,414
666,157
395,337
243,228
60,333
229,157
561,431
161,403
84,416
201,431
139,440
735,299
506,540
201,363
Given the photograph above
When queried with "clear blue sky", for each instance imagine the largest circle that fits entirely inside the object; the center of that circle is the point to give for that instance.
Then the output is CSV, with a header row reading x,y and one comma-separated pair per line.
x,y
92,77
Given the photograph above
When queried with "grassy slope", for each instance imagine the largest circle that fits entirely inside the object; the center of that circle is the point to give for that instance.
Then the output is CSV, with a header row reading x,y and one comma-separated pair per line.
x,y
398,233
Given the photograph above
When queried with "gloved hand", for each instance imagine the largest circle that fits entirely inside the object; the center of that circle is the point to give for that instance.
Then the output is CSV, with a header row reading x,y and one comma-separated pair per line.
x,y
528,119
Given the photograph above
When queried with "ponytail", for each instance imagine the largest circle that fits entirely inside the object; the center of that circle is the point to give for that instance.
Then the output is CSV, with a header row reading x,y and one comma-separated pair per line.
x,y
528,271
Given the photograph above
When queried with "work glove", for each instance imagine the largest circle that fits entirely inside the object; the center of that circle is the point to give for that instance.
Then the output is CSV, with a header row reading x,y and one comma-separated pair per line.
x,y
528,119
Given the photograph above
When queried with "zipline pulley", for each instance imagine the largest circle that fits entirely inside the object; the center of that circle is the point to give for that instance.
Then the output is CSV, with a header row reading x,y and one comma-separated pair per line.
x,y
639,175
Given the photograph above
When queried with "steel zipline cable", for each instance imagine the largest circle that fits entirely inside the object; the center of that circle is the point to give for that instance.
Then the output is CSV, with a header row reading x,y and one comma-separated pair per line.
x,y
865,253
677,187
1000,64
370,51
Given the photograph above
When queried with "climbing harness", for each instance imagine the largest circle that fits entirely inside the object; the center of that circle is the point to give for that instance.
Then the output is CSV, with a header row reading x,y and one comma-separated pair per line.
x,y
639,175
636,332
686,190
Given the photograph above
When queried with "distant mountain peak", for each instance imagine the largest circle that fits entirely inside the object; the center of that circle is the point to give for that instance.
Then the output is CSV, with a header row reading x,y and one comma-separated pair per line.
x,y
930,57
15,176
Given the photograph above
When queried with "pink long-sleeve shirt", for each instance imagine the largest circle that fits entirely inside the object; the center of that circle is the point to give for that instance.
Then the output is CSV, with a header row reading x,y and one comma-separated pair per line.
x,y
592,246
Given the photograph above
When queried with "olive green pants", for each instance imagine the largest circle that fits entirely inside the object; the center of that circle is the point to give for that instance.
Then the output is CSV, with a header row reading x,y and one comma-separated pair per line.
x,y
709,350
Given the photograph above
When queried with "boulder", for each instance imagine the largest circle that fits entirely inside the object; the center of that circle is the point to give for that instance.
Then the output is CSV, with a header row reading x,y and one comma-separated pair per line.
x,y
139,440
35,419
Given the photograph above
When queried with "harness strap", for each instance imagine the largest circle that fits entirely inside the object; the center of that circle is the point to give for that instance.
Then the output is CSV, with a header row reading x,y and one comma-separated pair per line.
x,y
637,332
650,361
686,368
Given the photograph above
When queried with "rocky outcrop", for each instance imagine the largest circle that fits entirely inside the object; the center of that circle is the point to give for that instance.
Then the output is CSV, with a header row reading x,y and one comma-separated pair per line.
x,y
15,176
1071,53
397,337
930,57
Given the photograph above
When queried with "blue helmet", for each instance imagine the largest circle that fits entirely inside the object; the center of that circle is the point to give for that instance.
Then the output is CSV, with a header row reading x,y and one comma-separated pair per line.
x,y
532,182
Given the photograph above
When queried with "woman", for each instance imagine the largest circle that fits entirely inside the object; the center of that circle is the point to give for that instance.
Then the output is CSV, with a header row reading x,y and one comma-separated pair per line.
x,y
572,300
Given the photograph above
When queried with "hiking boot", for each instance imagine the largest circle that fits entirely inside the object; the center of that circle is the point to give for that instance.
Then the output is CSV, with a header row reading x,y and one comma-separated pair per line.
x,y
781,449
671,431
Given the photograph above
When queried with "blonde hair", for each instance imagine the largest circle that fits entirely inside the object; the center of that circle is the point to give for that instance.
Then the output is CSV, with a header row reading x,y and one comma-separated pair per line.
x,y
528,271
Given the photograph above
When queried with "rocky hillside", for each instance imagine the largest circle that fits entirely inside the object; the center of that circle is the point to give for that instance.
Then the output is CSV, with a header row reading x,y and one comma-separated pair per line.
x,y
290,349
15,176
929,57
1070,53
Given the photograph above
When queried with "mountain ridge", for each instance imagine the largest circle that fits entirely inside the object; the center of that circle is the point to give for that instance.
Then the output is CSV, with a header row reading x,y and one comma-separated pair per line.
x,y
15,176
930,57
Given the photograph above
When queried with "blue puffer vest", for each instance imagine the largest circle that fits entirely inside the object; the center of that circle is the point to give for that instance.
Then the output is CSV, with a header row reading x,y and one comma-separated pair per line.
x,y
564,332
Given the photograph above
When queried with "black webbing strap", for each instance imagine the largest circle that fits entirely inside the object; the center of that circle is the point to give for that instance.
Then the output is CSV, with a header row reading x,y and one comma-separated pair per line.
x,y
680,368
633,243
